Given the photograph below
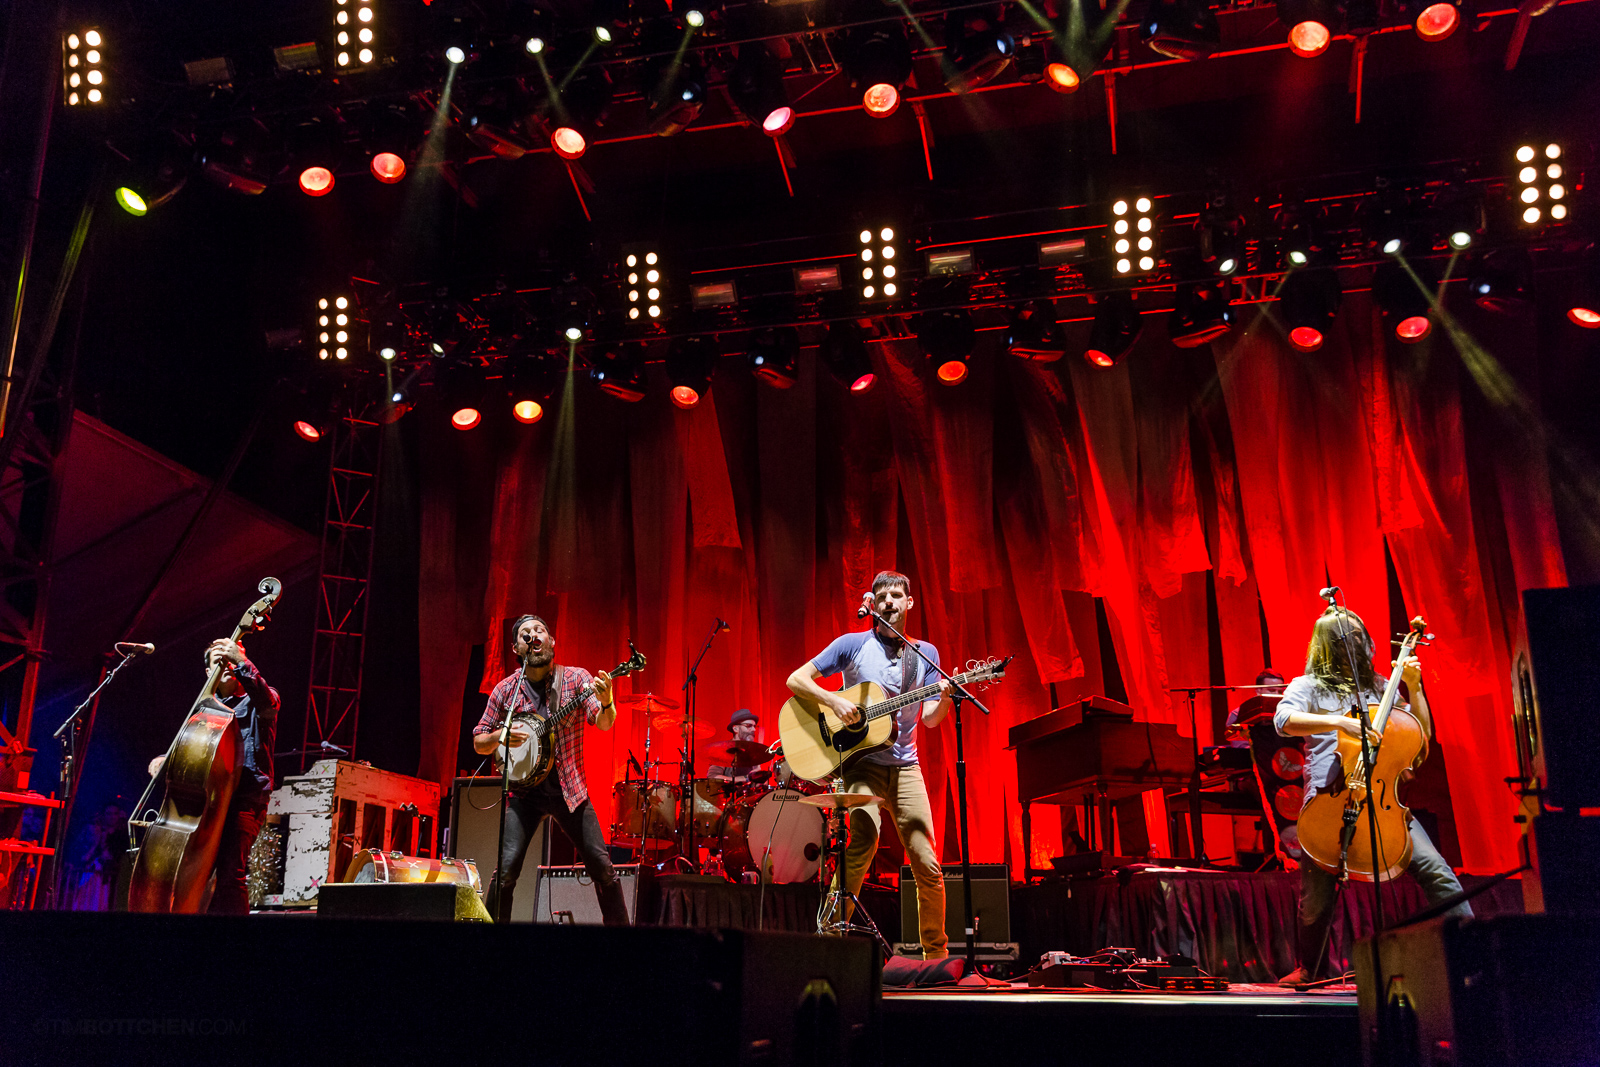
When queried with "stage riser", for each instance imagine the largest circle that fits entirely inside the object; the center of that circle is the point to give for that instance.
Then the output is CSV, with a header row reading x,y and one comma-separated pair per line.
x,y
82,988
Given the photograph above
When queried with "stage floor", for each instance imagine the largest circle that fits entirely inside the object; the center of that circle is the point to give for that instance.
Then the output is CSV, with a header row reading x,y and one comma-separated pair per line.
x,y
1249,1024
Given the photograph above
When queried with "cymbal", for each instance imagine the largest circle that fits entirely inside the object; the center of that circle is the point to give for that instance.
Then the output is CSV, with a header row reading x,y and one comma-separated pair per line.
x,y
647,700
842,800
739,753
671,723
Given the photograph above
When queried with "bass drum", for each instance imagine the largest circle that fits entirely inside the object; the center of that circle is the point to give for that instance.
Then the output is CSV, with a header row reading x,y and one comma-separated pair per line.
x,y
373,866
774,833
646,813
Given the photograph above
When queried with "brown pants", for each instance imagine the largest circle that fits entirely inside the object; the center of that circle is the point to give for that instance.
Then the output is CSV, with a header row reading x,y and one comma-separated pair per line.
x,y
906,797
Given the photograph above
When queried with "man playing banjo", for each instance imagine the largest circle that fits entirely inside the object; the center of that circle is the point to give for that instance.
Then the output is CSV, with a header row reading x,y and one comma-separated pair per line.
x,y
541,687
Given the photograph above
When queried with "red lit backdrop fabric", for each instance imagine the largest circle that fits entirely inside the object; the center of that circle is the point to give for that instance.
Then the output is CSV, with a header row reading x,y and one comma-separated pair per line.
x,y
1011,501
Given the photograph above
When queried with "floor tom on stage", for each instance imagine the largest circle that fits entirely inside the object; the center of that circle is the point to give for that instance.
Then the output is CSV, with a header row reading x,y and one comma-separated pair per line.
x,y
371,865
775,833
646,814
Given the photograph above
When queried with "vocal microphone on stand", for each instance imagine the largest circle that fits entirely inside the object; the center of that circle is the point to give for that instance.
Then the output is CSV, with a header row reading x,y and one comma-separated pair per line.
x,y
866,606
1330,593
128,648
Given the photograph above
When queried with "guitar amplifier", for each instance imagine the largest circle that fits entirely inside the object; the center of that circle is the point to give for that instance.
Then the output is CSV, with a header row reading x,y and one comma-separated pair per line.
x,y
991,904
475,830
567,895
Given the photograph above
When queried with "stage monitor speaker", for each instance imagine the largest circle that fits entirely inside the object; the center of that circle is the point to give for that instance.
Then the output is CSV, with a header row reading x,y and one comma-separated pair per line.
x,y
1561,626
436,901
475,830
566,895
991,904
1506,991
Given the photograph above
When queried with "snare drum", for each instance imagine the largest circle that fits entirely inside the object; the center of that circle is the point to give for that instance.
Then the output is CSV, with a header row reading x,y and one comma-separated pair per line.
x,y
776,833
646,814
371,865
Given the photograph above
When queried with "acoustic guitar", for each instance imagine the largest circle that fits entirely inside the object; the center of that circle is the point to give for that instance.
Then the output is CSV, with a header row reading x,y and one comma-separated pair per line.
x,y
817,744
532,759
173,861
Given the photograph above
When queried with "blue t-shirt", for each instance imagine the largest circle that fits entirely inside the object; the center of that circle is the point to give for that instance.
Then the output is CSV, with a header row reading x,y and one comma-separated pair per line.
x,y
1322,749
861,657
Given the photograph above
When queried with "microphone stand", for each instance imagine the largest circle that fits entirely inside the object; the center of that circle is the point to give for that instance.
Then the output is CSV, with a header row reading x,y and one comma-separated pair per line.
x,y
74,737
691,692
1353,815
958,693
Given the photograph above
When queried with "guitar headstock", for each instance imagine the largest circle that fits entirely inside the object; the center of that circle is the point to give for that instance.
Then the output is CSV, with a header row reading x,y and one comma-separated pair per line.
x,y
1416,634
257,615
634,662
981,672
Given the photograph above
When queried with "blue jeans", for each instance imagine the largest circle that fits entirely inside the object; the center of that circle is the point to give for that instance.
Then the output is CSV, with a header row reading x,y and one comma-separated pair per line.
x,y
1318,890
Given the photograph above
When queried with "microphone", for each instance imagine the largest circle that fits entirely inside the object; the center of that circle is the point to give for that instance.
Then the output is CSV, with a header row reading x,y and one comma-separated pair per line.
x,y
723,627
133,646
1329,593
866,606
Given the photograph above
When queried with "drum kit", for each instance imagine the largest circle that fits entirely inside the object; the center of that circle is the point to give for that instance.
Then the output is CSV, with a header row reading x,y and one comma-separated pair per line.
x,y
751,821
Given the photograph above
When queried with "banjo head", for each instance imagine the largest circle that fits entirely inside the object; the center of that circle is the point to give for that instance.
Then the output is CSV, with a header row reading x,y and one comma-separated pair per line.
x,y
525,756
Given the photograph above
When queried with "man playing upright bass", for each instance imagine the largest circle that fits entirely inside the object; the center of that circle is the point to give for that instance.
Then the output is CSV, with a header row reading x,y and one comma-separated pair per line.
x,y
541,687
891,772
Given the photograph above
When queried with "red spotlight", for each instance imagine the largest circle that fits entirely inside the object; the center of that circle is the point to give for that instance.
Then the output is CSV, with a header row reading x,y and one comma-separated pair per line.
x,y
953,371
1413,328
1437,21
466,418
1060,77
568,142
316,181
1310,38
1306,338
1098,358
863,383
1588,318
684,397
880,100
388,168
527,411
778,121
307,430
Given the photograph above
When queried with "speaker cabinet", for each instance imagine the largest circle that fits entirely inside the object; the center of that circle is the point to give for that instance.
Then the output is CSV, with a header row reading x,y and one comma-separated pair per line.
x,y
567,895
475,831
1560,742
426,901
991,904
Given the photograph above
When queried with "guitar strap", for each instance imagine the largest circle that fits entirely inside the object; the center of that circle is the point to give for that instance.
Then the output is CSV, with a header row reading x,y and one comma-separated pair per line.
x,y
910,669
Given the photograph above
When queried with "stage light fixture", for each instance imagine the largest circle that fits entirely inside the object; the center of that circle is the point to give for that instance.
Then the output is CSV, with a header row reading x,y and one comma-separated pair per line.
x,y
83,68
311,412
491,126
1181,29
1035,334
1541,184
756,88
157,171
1308,302
1386,219
530,384
1116,328
602,36
1583,309
1220,238
947,337
456,54
1503,280
644,284
878,63
386,334
239,160
694,18
354,35
678,97
823,279
578,110
709,295
1133,236
1302,240
463,391
774,355
533,46
1434,20
297,58
334,327
974,56
1311,25
1201,315
1055,252
690,366
218,70
315,147
620,375
879,270
844,352
1404,303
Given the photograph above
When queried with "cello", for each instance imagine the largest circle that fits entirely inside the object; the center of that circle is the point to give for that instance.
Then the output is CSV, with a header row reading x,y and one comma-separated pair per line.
x,y
1333,825
173,861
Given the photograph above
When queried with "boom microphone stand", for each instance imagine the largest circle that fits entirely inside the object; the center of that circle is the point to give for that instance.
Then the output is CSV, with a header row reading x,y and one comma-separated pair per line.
x,y
958,693
691,694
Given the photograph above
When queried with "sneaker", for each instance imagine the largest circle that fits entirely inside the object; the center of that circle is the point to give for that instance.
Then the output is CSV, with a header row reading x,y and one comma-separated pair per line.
x,y
1298,978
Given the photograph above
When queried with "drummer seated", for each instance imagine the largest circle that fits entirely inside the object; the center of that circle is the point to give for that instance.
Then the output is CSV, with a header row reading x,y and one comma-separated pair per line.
x,y
752,775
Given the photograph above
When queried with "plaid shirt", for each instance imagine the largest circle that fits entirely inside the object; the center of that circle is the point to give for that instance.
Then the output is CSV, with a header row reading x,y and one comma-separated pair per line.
x,y
514,696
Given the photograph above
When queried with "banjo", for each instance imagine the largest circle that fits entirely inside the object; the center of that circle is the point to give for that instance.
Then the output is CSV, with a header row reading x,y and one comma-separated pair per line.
x,y
532,759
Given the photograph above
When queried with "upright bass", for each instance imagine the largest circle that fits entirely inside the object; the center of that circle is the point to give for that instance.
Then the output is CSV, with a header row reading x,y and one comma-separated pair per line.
x,y
173,861
1333,826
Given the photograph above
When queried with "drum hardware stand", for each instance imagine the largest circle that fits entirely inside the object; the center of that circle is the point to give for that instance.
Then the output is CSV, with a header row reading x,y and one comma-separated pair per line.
x,y
74,736
1197,840
839,895
691,691
958,693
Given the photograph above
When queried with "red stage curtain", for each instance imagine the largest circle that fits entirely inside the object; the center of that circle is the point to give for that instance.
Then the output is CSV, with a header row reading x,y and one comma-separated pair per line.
x,y
1012,500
